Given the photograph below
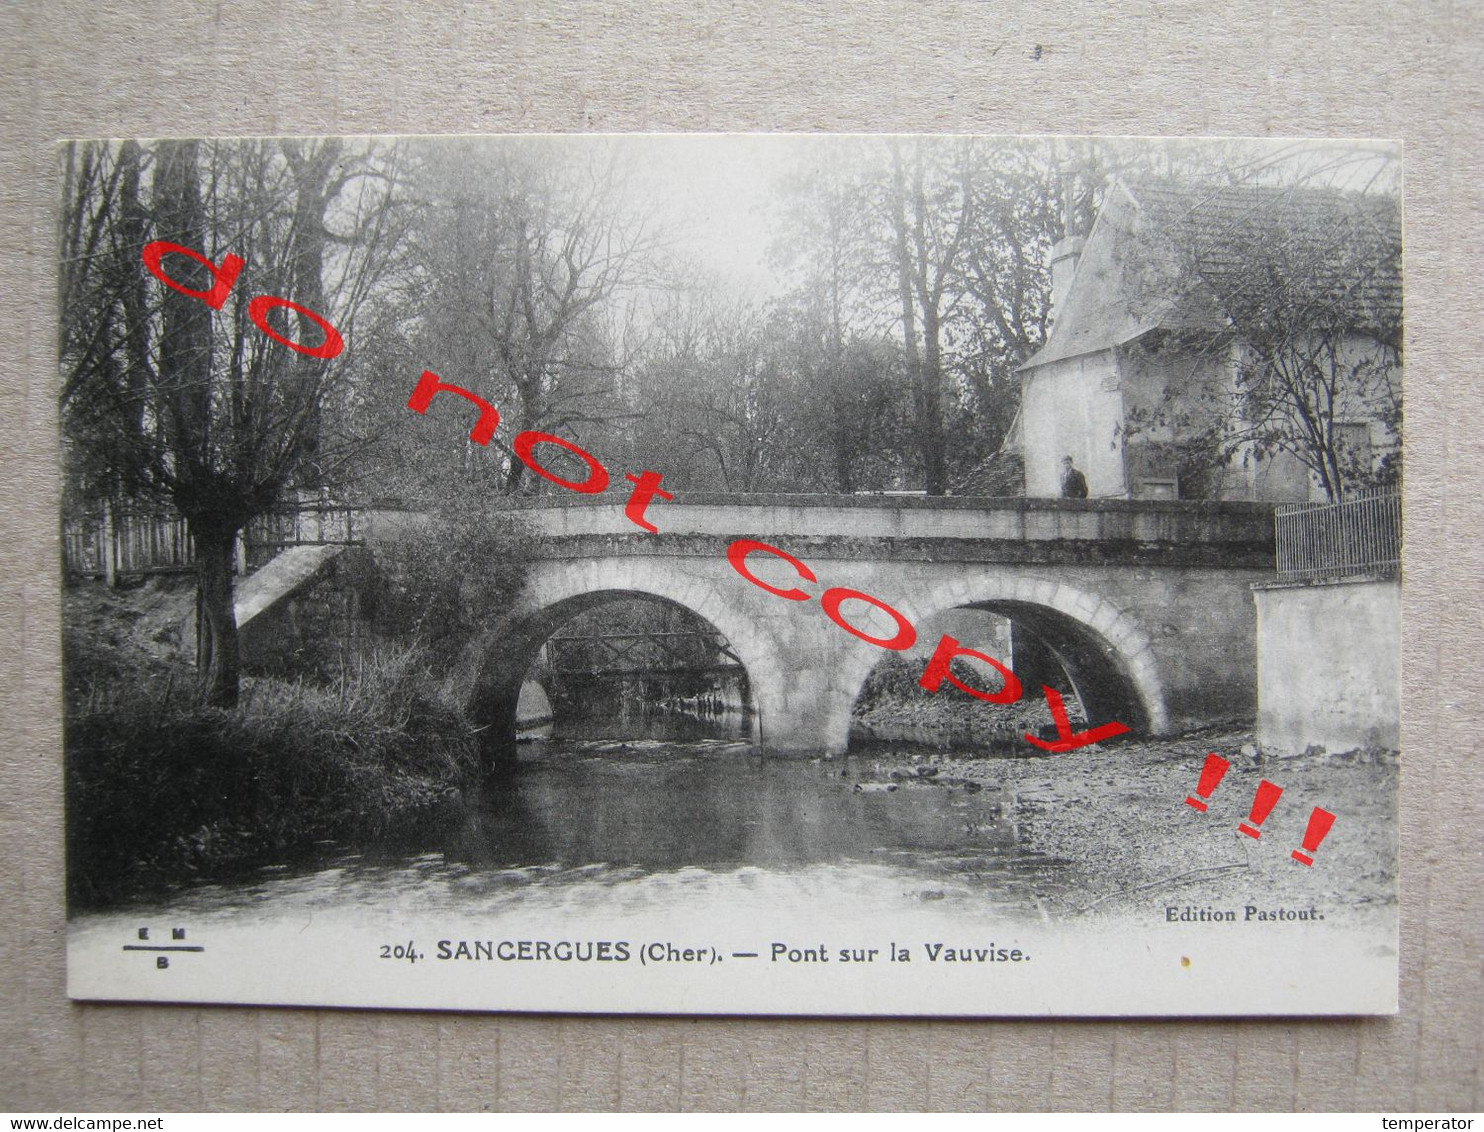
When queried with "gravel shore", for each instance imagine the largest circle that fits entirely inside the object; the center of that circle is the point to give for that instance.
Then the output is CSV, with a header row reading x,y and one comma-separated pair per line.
x,y
1115,816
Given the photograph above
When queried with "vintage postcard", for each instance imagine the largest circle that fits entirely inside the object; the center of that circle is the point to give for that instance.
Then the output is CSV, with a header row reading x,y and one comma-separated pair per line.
x,y
778,574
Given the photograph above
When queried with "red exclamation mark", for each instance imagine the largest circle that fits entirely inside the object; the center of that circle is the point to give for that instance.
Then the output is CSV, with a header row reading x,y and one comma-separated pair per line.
x,y
1262,805
1211,775
1319,823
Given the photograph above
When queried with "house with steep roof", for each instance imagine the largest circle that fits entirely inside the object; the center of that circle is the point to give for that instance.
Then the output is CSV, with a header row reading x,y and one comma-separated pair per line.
x,y
1220,342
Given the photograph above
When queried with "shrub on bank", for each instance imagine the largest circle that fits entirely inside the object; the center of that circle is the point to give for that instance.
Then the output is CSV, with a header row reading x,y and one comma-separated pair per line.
x,y
893,697
441,584
162,789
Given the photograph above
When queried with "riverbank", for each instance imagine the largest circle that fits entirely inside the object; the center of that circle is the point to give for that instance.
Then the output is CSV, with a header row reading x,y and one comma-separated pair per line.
x,y
163,790
1114,818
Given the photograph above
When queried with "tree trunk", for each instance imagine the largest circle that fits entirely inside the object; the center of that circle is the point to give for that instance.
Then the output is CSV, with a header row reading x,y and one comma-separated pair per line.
x,y
930,423
840,394
220,661
844,459
134,228
516,480
904,293
924,369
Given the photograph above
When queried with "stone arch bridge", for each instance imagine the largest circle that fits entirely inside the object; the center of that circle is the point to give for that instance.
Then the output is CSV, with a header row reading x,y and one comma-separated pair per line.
x,y
1145,603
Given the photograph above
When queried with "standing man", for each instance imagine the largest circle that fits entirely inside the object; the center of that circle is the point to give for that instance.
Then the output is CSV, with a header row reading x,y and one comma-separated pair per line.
x,y
1073,482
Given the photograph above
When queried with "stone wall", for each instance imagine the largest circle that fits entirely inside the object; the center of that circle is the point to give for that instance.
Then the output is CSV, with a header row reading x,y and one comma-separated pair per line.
x,y
1329,665
315,627
1228,529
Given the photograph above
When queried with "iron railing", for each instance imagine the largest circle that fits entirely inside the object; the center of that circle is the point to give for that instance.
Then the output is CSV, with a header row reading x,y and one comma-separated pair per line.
x,y
311,524
1359,536
120,541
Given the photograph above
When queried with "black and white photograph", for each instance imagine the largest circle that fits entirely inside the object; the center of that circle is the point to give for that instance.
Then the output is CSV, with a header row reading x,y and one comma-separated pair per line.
x,y
781,574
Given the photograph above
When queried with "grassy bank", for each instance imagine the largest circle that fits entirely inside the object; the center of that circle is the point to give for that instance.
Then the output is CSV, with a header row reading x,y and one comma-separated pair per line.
x,y
161,789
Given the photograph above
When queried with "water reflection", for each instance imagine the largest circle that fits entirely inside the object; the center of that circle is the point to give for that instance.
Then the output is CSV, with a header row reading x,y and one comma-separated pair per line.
x,y
661,805
605,815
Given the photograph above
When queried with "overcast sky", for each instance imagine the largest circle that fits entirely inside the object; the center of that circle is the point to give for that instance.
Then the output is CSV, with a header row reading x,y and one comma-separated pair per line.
x,y
716,195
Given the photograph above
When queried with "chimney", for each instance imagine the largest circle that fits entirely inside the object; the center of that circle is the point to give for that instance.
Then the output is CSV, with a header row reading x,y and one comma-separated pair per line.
x,y
1066,251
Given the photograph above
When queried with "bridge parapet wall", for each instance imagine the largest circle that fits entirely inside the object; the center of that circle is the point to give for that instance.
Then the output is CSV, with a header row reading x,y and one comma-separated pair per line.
x,y
896,517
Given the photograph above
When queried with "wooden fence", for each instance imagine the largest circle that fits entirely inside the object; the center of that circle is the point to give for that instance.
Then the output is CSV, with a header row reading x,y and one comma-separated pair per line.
x,y
122,542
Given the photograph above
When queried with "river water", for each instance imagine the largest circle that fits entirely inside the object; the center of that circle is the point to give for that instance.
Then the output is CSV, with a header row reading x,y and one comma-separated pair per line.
x,y
663,808
676,839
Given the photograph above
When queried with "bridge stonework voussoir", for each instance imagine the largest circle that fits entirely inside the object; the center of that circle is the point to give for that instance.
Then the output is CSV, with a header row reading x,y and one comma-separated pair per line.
x,y
1143,663
1083,606
961,590
1134,643
1043,592
1023,589
715,610
693,594
585,577
1104,617
1063,598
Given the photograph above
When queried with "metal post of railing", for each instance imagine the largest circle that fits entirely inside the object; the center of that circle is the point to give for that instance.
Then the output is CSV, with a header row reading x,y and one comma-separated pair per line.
x,y
1359,535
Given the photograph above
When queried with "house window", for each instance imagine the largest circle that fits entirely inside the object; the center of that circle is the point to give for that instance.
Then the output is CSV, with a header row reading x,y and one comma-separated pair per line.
x,y
1158,489
1353,447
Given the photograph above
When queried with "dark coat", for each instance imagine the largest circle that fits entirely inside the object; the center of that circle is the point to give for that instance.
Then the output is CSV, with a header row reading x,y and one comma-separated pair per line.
x,y
1073,484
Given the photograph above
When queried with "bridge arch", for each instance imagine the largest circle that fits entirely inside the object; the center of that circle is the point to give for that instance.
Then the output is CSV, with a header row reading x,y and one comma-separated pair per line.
x,y
1108,656
557,591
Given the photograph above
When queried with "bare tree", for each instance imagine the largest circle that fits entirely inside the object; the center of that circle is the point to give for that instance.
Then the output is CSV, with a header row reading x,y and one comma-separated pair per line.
x,y
718,396
1007,277
524,250
203,405
930,206
1300,286
936,247
847,428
